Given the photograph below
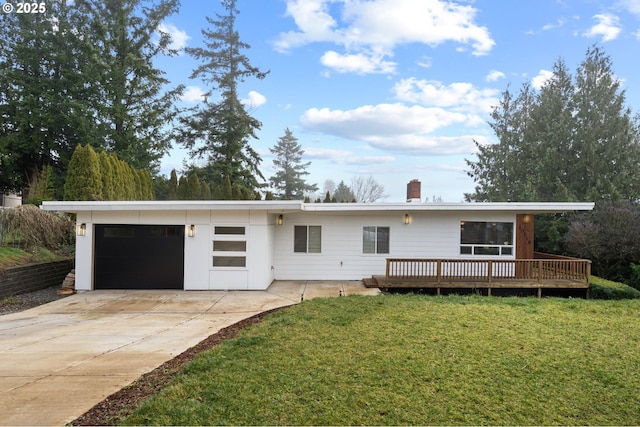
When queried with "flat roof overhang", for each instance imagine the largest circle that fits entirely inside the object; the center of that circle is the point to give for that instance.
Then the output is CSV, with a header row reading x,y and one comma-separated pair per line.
x,y
291,206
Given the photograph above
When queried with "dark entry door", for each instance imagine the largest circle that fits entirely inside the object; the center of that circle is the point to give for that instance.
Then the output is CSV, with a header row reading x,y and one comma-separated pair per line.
x,y
139,257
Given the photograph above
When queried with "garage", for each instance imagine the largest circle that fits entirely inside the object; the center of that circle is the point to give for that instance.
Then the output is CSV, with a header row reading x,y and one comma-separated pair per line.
x,y
138,256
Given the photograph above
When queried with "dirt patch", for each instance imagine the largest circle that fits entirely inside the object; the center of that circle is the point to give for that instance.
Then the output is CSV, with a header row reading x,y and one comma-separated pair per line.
x,y
124,402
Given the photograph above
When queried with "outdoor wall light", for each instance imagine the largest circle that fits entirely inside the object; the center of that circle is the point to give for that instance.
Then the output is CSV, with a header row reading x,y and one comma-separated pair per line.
x,y
191,231
526,219
82,230
279,220
407,219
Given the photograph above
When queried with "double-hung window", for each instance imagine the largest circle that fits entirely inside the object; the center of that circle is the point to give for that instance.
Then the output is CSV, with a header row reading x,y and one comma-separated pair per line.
x,y
307,239
486,238
375,240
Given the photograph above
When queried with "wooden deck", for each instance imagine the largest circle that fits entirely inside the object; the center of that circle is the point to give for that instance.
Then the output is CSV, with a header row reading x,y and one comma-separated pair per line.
x,y
543,272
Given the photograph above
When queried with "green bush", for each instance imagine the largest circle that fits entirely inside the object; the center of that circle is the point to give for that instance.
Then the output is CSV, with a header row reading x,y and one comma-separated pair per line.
x,y
606,289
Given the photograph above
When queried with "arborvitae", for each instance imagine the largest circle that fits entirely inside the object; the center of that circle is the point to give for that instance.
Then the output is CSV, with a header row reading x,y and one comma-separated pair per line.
x,y
227,191
107,177
83,177
183,188
268,195
193,187
116,178
205,191
237,193
327,198
173,186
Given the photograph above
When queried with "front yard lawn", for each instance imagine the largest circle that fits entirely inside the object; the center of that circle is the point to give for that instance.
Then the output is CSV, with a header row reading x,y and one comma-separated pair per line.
x,y
409,360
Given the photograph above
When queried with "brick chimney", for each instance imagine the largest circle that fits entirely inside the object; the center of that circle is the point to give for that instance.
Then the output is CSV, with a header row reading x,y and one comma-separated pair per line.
x,y
413,191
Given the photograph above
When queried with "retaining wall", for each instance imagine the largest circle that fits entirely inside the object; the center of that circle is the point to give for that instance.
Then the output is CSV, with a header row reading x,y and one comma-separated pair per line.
x,y
33,277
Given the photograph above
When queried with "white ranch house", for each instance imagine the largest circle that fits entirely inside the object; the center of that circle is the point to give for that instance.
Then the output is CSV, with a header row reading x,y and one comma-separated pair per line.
x,y
234,245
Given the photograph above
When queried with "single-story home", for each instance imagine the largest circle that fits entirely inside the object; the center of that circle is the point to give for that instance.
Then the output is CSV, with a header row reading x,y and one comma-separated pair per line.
x,y
233,245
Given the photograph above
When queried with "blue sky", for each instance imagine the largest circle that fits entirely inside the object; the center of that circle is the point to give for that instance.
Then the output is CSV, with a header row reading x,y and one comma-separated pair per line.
x,y
399,89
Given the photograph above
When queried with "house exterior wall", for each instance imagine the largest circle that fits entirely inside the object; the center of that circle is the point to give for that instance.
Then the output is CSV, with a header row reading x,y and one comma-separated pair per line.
x,y
429,235
199,273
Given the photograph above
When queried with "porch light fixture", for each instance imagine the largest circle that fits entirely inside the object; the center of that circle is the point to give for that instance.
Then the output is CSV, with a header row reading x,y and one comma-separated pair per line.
x,y
279,220
191,231
82,230
407,219
526,219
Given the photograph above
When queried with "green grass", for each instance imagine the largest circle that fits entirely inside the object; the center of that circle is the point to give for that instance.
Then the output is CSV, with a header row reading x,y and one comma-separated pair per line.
x,y
408,360
11,257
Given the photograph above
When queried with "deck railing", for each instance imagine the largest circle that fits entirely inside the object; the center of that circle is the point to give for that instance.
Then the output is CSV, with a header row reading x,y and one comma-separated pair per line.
x,y
539,269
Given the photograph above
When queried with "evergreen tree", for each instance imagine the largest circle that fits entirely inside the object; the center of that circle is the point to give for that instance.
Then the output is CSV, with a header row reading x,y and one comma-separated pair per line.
x,y
288,180
183,188
206,191
83,178
132,105
220,131
194,188
571,141
343,193
42,188
119,191
44,112
108,191
173,186
327,198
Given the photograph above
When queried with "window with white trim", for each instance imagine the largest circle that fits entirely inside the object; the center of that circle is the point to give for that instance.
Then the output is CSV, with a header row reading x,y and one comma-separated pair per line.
x,y
375,240
229,247
486,238
307,239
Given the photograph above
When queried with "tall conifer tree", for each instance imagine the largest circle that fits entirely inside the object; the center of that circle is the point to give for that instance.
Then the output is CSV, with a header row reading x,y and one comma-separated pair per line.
x,y
288,180
220,130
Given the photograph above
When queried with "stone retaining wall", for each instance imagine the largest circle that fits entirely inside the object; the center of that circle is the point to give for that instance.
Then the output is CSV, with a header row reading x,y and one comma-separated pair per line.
x,y
33,277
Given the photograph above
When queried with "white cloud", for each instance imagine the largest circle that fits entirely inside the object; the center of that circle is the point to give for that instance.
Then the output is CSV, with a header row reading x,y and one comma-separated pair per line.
x,y
608,27
358,63
559,23
179,38
254,100
457,96
424,145
543,76
394,127
192,94
494,76
345,157
372,29
632,6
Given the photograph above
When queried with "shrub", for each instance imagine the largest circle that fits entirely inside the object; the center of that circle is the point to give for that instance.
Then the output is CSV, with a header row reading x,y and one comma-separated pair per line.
x,y
31,227
606,289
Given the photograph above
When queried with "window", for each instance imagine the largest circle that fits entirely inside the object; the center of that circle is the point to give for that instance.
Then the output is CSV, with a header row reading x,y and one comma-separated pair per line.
x,y
375,240
486,238
307,239
229,247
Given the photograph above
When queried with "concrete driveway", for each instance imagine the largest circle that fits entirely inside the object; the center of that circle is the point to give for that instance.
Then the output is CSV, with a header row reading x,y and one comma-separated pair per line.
x,y
60,359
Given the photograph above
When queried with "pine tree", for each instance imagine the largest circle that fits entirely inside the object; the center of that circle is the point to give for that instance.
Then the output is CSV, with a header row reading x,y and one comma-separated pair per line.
x,y
220,131
288,180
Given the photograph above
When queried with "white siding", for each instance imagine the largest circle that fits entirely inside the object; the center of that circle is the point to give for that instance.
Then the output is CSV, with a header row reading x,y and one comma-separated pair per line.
x,y
429,235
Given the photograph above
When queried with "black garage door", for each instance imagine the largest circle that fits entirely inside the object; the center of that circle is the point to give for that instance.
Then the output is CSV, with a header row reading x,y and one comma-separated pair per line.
x,y
139,257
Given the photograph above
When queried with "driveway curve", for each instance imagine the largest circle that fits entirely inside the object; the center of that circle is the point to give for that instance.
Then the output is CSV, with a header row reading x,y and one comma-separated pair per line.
x,y
60,359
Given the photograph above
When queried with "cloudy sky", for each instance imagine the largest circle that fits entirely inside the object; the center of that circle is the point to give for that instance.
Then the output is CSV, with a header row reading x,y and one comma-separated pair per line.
x,y
400,89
